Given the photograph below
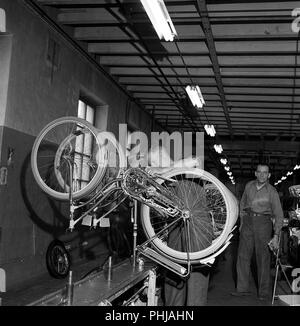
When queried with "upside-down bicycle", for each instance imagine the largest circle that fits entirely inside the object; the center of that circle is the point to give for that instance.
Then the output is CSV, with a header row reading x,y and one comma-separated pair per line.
x,y
187,214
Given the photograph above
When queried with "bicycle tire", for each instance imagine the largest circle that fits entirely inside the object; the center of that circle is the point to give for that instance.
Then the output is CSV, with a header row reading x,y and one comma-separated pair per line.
x,y
51,146
210,247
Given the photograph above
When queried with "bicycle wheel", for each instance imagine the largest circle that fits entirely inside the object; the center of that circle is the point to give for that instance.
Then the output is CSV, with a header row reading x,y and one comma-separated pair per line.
x,y
115,165
212,211
68,148
58,260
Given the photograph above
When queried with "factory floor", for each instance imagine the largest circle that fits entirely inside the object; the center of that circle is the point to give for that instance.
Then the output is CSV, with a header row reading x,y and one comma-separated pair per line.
x,y
222,283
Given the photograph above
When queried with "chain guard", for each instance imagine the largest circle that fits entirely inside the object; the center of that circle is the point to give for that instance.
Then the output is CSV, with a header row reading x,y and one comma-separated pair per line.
x,y
141,186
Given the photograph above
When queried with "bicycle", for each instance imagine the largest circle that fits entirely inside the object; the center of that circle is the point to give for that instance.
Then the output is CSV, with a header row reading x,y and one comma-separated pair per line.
x,y
73,161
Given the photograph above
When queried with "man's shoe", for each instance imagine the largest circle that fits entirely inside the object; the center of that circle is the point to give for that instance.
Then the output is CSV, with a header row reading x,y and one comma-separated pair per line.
x,y
241,294
263,298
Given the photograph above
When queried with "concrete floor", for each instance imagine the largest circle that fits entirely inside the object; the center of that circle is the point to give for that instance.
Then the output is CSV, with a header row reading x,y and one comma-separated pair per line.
x,y
222,283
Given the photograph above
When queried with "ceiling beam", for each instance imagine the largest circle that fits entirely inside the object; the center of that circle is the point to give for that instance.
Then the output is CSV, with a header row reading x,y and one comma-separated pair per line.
x,y
218,38
196,66
210,84
203,75
202,10
255,146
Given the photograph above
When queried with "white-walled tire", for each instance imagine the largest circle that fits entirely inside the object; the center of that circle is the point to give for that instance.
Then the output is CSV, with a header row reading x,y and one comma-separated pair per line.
x,y
213,214
51,171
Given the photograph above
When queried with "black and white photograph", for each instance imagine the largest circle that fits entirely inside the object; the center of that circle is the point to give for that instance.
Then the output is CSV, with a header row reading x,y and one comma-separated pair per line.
x,y
150,156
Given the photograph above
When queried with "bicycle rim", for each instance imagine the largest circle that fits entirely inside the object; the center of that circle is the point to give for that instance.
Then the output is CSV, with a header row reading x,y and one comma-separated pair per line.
x,y
212,213
65,144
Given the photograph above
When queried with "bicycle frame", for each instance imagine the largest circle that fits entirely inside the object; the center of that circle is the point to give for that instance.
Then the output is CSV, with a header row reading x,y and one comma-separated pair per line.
x,y
115,186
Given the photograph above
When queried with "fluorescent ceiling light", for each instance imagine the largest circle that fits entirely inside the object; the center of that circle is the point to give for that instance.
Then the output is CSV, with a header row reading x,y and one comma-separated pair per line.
x,y
195,95
160,19
224,161
210,130
218,148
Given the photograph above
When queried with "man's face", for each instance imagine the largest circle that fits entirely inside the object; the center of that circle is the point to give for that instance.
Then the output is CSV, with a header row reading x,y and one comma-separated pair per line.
x,y
262,173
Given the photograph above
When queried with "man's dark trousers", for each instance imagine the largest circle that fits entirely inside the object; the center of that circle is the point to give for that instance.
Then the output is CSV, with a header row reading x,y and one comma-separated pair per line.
x,y
189,292
255,234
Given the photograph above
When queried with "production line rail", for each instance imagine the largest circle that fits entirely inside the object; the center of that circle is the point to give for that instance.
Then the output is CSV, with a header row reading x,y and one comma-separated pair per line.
x,y
123,284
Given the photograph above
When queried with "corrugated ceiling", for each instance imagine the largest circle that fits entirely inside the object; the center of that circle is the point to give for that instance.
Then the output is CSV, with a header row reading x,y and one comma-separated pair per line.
x,y
243,55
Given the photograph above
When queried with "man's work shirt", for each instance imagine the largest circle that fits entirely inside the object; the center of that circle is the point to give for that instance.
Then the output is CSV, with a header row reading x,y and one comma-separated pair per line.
x,y
264,200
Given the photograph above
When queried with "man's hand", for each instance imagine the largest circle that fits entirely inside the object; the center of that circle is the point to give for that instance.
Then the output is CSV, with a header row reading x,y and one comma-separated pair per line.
x,y
274,243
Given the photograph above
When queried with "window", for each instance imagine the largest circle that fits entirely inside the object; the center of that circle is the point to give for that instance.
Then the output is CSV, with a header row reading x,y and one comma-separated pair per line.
x,y
2,21
86,112
129,146
84,148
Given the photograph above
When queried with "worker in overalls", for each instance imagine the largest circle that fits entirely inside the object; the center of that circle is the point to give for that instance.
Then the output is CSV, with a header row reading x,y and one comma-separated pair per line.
x,y
261,217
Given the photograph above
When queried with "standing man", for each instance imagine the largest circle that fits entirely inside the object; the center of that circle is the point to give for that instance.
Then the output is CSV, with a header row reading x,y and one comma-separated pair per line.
x,y
259,207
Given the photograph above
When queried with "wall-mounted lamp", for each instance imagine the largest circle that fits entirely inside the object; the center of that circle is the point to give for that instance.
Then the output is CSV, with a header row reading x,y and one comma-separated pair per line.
x,y
160,19
195,95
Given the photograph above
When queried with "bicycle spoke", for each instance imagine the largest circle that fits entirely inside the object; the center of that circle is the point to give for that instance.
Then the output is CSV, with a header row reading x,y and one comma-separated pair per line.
x,y
204,209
